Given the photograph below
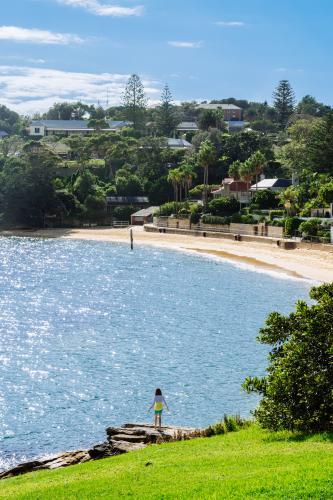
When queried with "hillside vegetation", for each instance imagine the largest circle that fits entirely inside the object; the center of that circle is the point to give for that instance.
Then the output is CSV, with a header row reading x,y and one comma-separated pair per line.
x,y
252,463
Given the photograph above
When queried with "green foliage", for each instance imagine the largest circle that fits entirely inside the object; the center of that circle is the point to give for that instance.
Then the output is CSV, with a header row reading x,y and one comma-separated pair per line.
x,y
197,191
284,102
297,390
135,102
9,120
264,199
166,116
310,227
223,206
128,186
276,213
291,225
171,208
228,424
123,213
84,185
195,214
215,219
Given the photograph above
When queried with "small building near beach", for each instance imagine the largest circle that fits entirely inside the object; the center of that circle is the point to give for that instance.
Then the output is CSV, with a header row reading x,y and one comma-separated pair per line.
x,y
144,216
232,188
276,185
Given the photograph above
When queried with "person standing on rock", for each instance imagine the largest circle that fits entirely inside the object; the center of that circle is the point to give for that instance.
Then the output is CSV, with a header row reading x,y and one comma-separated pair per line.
x,y
158,405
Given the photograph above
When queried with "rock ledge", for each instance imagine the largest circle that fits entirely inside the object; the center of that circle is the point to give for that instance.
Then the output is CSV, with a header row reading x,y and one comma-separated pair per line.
x,y
129,437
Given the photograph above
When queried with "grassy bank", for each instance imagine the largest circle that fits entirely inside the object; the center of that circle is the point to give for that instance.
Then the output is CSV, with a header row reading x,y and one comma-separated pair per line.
x,y
251,463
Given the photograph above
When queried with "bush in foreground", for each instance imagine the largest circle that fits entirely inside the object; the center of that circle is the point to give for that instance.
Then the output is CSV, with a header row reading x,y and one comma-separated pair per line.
x,y
298,389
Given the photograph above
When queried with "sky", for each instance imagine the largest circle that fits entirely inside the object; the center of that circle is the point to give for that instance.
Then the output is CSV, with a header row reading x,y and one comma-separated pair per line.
x,y
69,50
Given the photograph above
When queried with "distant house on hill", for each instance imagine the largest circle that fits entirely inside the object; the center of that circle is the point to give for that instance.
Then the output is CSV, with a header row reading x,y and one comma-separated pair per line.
x,y
230,111
276,185
232,188
43,128
179,144
184,127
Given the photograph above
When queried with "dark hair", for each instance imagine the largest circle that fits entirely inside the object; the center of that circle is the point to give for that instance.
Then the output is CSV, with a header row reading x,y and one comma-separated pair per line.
x,y
158,392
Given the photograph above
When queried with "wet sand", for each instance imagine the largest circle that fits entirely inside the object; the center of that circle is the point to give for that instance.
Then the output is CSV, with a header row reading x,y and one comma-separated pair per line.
x,y
306,263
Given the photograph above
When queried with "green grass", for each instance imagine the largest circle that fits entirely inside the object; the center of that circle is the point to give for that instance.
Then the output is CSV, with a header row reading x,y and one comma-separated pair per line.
x,y
251,463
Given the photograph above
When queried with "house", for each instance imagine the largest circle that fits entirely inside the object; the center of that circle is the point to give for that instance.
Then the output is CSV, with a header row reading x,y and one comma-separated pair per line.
x,y
43,128
178,144
136,201
230,111
235,125
276,185
233,188
144,216
184,127
3,134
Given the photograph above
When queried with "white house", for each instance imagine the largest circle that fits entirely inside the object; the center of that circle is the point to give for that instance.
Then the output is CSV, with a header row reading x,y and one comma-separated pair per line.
x,y
38,128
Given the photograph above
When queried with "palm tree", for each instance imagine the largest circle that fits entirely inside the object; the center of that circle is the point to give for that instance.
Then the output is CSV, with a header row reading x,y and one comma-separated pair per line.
x,y
206,157
258,162
174,177
289,199
246,171
234,170
188,174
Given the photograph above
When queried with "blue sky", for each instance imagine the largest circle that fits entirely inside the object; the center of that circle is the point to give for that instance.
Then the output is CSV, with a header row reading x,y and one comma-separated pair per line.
x,y
56,50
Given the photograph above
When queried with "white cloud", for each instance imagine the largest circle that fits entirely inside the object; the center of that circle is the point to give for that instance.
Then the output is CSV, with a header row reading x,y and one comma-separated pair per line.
x,y
186,45
17,34
230,24
101,8
28,90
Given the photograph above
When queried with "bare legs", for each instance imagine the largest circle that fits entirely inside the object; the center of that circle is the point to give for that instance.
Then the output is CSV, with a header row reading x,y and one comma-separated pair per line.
x,y
158,420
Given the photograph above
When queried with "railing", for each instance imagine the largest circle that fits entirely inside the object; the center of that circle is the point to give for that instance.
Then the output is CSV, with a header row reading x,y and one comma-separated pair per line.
x,y
120,224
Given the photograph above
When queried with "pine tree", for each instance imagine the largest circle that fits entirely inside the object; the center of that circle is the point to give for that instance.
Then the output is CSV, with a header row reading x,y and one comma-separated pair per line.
x,y
166,117
135,101
284,102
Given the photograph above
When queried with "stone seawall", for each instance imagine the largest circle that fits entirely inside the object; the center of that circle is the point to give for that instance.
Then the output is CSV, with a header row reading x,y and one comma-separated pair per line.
x,y
129,437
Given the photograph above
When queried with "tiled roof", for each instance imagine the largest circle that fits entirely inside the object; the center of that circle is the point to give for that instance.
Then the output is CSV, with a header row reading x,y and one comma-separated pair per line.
x,y
74,124
145,212
178,143
219,106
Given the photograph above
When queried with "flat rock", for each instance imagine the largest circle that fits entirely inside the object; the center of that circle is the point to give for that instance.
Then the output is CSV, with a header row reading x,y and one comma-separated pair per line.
x,y
130,438
126,447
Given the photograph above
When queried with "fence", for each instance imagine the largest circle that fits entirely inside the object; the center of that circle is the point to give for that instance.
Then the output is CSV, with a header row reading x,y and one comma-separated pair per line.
x,y
233,228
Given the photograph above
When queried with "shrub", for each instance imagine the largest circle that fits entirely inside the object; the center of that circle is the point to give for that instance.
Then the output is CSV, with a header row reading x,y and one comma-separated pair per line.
x,y
291,225
297,390
264,199
228,424
310,227
123,213
196,211
172,208
276,213
197,191
223,206
215,219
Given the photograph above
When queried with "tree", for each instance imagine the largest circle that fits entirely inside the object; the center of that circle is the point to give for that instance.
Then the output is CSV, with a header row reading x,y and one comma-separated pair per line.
x,y
135,102
234,170
66,111
258,162
246,171
187,176
175,178
166,116
289,199
9,121
27,192
206,157
284,102
209,118
297,390
308,105
223,206
264,199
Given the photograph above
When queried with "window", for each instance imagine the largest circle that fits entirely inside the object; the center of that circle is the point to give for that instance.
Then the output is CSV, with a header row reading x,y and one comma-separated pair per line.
x,y
37,130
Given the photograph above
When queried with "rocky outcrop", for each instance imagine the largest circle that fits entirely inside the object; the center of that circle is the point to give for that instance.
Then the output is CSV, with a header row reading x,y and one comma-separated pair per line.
x,y
129,437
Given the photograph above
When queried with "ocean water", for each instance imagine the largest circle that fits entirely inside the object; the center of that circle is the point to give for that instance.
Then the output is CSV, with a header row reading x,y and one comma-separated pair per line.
x,y
89,329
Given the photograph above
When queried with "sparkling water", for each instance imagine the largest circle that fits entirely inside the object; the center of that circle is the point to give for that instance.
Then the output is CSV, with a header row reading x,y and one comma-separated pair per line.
x,y
88,330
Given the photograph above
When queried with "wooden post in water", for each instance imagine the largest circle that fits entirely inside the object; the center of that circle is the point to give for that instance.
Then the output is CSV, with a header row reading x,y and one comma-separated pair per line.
x,y
131,236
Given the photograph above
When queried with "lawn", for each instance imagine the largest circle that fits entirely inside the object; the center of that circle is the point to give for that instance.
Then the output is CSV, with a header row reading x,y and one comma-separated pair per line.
x,y
251,463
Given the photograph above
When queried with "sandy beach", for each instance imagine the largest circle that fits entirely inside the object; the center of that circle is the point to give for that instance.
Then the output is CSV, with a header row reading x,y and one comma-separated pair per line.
x,y
306,263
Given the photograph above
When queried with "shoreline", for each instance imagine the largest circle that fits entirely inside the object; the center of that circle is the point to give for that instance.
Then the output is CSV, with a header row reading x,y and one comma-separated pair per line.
x,y
302,263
